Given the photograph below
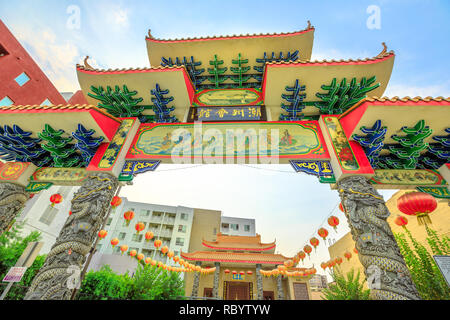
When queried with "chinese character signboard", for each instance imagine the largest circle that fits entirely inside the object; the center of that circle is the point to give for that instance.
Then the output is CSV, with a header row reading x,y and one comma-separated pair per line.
x,y
224,113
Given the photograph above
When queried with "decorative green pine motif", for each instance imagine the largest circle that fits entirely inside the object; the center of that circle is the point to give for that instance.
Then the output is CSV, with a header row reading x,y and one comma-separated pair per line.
x,y
240,70
343,95
410,146
62,151
119,103
217,72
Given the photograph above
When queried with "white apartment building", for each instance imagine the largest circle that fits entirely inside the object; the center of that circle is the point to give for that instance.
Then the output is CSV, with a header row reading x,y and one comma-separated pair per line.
x,y
170,224
237,226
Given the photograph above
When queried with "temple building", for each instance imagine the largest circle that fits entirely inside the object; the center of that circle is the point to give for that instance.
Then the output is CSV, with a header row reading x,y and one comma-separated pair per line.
x,y
239,261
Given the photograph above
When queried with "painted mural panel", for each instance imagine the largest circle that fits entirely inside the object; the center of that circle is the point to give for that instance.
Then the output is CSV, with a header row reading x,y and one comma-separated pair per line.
x,y
228,97
300,139
418,177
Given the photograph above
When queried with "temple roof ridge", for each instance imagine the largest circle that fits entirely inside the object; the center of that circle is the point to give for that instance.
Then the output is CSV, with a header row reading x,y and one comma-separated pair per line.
x,y
236,242
222,37
157,68
382,55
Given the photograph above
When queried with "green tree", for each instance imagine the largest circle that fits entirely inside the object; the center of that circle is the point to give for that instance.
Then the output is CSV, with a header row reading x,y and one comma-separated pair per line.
x,y
346,287
153,283
12,245
425,274
104,284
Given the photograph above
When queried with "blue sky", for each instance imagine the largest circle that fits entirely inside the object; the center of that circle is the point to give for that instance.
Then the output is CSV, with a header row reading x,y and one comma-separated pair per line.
x,y
287,206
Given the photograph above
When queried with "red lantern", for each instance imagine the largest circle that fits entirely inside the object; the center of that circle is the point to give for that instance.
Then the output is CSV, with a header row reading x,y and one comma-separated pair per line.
x,y
70,213
314,242
308,250
55,199
157,243
153,262
148,236
176,258
139,227
341,207
114,242
102,234
249,272
148,260
323,233
323,265
140,256
348,255
242,273
234,272
128,216
301,255
333,221
227,271
133,253
338,260
123,248
355,250
418,204
170,254
116,201
164,249
401,221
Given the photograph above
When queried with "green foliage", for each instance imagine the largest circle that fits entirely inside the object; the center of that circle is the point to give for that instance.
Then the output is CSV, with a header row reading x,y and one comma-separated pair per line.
x,y
12,246
343,95
149,283
119,103
346,287
153,283
425,274
104,284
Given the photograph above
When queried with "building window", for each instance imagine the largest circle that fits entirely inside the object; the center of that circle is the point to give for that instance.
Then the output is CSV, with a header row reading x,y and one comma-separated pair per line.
x,y
182,228
176,253
184,216
234,226
3,51
109,221
225,225
48,215
214,231
99,246
246,227
122,235
137,237
179,242
145,213
116,250
47,102
6,101
22,79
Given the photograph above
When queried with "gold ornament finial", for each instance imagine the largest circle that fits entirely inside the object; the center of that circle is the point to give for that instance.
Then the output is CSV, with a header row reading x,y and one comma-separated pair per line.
x,y
309,24
86,64
382,53
150,33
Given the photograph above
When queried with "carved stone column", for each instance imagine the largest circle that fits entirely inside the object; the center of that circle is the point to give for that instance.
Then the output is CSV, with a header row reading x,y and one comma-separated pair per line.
x,y
215,291
61,270
12,200
280,295
196,283
259,283
384,266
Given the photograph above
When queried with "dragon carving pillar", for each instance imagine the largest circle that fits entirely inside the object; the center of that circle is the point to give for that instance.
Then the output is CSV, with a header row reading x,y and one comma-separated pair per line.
x,y
259,282
60,273
280,295
215,291
12,200
384,266
196,283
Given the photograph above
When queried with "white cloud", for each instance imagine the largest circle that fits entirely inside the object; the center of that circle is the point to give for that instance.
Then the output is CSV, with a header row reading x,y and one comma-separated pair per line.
x,y
56,58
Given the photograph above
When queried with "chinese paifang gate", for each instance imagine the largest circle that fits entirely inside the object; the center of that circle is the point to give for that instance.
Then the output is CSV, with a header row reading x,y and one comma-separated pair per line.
x,y
330,115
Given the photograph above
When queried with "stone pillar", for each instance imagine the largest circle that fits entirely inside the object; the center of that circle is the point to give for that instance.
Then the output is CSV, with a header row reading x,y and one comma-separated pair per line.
x,y
384,266
196,283
259,283
215,291
60,273
12,200
280,295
